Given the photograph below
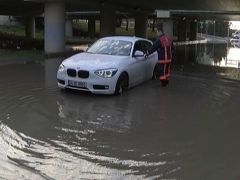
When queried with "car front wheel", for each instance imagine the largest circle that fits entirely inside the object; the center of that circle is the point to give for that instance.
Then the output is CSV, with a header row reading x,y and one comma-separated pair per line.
x,y
122,84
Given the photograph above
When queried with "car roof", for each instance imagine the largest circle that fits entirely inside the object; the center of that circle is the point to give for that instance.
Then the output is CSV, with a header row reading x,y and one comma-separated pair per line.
x,y
126,38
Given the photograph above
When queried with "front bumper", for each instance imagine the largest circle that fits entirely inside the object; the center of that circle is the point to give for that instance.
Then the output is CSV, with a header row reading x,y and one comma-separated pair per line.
x,y
93,84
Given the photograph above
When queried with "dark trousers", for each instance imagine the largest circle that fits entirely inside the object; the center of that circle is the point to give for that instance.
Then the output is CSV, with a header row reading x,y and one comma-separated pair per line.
x,y
163,71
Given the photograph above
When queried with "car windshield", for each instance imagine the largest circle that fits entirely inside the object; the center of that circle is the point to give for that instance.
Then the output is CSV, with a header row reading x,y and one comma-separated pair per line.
x,y
111,47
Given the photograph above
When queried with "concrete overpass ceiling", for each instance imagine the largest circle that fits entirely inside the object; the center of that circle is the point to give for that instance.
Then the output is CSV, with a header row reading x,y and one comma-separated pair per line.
x,y
20,7
201,9
23,7
82,6
215,5
211,5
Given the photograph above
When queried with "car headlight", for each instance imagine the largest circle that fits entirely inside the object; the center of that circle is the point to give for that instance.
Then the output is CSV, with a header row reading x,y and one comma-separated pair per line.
x,y
106,73
61,68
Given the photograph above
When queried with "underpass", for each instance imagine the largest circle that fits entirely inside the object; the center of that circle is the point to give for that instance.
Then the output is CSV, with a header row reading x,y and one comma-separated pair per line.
x,y
54,16
188,130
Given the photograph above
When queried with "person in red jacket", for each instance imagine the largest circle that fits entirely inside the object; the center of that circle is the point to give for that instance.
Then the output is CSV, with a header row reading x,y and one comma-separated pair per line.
x,y
164,46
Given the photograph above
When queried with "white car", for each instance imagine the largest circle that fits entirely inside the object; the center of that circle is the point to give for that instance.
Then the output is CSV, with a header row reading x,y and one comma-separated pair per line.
x,y
111,65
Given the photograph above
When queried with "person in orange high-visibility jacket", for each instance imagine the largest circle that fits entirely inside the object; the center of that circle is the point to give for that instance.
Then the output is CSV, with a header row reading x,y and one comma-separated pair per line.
x,y
164,46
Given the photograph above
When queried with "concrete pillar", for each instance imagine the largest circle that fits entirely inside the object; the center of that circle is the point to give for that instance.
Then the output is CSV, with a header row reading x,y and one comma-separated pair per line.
x,y
153,24
91,27
182,30
54,32
50,71
69,27
107,20
193,31
141,24
30,27
127,24
168,27
218,26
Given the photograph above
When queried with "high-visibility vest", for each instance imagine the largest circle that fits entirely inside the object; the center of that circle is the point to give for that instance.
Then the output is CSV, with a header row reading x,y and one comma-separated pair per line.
x,y
166,43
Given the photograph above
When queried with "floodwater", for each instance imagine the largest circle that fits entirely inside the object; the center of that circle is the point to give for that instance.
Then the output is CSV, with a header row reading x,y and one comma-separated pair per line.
x,y
188,130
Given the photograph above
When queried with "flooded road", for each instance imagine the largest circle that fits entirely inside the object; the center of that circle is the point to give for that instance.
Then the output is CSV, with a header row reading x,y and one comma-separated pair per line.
x,y
188,130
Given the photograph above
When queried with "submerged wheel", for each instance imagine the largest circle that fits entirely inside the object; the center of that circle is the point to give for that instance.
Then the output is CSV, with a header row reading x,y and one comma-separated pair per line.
x,y
122,84
154,74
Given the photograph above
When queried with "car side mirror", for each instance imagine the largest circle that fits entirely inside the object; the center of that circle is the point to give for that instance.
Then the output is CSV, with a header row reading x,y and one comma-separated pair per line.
x,y
138,54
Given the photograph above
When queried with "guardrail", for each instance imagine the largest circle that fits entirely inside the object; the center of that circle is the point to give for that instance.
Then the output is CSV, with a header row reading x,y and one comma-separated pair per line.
x,y
203,41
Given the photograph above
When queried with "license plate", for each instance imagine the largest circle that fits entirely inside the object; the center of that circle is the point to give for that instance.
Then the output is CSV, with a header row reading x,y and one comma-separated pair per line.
x,y
77,84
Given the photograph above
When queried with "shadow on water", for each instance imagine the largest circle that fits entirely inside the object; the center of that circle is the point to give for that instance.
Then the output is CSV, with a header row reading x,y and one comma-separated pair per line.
x,y
187,130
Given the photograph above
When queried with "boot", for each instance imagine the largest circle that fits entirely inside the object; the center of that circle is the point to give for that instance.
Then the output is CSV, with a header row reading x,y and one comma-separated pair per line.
x,y
164,82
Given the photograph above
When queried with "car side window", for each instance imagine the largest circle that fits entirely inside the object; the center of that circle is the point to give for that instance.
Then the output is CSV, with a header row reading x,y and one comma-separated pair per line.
x,y
142,46
137,47
146,46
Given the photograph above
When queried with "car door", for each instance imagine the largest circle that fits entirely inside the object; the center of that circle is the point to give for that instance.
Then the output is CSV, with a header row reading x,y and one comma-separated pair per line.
x,y
151,60
138,63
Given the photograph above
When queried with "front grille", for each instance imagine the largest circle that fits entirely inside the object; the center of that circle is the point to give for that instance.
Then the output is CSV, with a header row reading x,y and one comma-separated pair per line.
x,y
72,72
83,74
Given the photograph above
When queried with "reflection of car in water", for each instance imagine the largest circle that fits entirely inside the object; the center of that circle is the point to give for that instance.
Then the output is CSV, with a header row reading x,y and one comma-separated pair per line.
x,y
101,131
233,57
235,39
91,114
237,33
110,65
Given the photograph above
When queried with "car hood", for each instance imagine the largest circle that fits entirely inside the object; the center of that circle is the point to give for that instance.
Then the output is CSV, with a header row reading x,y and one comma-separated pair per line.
x,y
94,61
